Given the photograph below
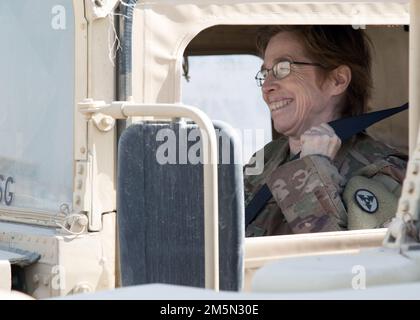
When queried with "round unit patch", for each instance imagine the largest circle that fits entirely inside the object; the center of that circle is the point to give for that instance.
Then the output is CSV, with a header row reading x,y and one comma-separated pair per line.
x,y
366,200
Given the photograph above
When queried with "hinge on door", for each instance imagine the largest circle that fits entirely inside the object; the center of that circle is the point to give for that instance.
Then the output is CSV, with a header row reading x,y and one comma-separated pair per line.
x,y
404,231
82,193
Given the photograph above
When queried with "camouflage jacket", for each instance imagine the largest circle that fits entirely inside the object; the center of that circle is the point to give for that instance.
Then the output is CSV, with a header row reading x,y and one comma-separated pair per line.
x,y
314,194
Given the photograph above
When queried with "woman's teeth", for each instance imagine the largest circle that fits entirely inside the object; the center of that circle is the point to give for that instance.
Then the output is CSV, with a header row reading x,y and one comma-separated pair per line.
x,y
280,104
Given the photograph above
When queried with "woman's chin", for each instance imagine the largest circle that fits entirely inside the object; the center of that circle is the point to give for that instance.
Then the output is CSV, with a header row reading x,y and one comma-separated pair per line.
x,y
284,129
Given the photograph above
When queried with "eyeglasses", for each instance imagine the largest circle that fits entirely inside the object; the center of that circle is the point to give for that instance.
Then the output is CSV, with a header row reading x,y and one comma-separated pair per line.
x,y
280,70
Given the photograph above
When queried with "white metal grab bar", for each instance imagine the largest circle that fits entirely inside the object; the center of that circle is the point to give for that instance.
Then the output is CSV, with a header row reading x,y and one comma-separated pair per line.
x,y
123,110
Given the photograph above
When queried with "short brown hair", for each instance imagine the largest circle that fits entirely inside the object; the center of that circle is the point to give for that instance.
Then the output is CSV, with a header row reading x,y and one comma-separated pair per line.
x,y
332,46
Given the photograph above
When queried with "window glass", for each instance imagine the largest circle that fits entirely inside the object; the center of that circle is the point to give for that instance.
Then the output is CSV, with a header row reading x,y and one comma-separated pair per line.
x,y
37,102
224,87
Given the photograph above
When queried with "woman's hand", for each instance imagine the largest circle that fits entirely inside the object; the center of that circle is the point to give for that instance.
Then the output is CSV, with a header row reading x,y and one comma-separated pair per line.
x,y
320,140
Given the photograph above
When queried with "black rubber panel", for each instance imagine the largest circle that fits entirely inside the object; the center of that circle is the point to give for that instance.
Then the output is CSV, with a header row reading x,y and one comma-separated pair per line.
x,y
161,213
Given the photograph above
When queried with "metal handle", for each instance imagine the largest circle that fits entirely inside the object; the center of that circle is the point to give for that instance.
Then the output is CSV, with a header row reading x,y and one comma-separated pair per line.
x,y
123,110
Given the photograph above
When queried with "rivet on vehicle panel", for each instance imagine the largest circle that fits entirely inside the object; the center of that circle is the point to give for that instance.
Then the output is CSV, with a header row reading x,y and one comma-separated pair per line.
x,y
405,206
411,186
45,281
82,288
106,121
82,150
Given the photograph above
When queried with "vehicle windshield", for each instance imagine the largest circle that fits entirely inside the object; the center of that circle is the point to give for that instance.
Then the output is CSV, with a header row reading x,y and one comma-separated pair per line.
x,y
36,113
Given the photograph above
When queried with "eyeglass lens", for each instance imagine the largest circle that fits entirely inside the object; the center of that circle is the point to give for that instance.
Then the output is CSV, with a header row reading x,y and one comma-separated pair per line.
x,y
280,70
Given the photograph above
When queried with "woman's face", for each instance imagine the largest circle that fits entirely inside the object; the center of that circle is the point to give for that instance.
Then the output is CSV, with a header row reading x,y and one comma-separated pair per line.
x,y
298,101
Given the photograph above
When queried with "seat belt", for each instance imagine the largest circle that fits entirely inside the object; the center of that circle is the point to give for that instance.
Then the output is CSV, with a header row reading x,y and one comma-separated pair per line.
x,y
345,129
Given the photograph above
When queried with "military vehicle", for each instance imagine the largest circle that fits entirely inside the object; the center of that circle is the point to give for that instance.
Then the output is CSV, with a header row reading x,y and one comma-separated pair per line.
x,y
85,205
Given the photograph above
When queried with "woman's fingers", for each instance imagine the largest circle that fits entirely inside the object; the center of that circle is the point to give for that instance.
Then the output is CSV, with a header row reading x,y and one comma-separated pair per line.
x,y
321,129
320,140
327,127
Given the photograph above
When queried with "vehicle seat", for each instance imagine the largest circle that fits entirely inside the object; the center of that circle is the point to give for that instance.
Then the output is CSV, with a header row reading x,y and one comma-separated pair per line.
x,y
160,209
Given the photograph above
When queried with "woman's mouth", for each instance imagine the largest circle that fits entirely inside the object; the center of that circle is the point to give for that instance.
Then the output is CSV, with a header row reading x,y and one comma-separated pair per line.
x,y
277,105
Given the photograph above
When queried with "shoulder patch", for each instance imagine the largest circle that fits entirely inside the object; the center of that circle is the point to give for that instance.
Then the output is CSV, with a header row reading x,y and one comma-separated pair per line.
x,y
366,200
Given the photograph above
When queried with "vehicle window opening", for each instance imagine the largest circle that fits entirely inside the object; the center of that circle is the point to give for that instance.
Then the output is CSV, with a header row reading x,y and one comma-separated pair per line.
x,y
389,76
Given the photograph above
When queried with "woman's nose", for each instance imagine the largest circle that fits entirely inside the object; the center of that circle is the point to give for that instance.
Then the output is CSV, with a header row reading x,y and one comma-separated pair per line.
x,y
269,84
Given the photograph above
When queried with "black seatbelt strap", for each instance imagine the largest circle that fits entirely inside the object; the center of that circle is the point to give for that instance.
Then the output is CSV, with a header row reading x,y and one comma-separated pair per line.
x,y
345,129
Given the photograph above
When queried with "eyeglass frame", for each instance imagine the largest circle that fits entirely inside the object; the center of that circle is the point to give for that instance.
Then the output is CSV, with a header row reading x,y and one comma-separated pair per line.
x,y
260,82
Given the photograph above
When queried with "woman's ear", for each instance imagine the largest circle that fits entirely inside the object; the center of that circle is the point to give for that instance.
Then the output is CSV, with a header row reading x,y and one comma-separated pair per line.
x,y
340,79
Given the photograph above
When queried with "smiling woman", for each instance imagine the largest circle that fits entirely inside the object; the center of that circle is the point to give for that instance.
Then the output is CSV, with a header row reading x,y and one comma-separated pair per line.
x,y
312,75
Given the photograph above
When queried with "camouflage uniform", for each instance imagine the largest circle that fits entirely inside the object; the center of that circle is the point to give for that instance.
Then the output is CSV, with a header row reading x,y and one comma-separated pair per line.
x,y
313,194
